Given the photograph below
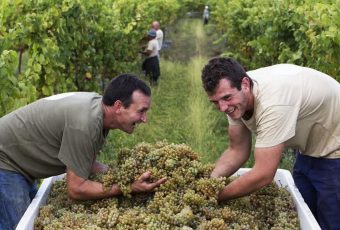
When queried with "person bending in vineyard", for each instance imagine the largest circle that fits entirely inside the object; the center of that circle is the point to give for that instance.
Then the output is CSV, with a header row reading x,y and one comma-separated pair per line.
x,y
64,133
151,63
283,106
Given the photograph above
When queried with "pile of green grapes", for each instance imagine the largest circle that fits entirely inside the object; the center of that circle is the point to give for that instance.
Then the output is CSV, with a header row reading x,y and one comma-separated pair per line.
x,y
187,200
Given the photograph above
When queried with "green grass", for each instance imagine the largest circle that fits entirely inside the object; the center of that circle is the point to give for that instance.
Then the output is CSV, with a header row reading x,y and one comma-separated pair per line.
x,y
180,111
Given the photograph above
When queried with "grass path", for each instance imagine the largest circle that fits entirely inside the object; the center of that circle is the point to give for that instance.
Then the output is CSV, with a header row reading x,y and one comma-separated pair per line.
x,y
180,111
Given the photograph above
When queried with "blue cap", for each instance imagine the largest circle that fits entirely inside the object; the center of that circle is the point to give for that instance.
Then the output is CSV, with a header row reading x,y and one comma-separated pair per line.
x,y
152,33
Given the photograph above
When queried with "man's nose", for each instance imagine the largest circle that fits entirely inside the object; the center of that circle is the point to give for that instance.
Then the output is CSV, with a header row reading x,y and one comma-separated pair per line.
x,y
222,105
144,118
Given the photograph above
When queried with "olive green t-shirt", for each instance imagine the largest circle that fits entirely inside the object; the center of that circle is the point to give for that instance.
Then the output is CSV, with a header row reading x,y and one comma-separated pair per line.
x,y
297,106
44,138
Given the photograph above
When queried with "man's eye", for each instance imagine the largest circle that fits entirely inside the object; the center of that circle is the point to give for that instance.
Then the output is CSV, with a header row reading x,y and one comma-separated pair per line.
x,y
226,98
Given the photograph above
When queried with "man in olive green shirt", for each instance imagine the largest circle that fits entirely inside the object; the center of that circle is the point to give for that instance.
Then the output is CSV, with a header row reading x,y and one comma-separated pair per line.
x,y
64,133
283,106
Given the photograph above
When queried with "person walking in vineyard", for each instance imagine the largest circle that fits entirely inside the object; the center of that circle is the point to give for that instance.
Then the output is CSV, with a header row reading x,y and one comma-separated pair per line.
x,y
64,133
206,15
159,35
283,105
151,63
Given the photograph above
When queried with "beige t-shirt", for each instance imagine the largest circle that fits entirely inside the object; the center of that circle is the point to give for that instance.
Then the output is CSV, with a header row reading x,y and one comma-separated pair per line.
x,y
153,46
297,106
44,138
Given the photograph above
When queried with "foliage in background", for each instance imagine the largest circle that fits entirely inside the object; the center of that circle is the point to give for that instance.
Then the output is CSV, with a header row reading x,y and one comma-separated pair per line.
x,y
264,32
193,6
53,46
12,87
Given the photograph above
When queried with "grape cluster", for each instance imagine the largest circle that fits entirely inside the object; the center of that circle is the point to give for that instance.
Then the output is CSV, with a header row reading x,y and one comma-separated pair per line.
x,y
187,200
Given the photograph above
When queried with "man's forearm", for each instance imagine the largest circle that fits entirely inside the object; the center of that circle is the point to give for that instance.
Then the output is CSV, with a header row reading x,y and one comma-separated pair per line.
x,y
81,189
92,190
228,163
244,185
266,163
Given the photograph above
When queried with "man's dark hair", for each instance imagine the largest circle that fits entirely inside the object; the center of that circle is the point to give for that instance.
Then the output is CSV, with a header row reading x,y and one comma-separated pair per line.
x,y
223,67
122,87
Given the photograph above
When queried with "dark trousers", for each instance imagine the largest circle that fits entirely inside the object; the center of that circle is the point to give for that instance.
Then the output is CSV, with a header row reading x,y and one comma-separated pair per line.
x,y
151,68
205,21
318,180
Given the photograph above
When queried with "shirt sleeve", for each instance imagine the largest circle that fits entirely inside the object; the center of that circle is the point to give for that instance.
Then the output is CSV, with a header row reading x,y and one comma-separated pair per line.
x,y
77,152
150,46
276,125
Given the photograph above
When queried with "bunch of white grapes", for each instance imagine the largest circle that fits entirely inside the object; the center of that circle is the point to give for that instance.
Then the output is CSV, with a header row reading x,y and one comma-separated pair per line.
x,y
187,200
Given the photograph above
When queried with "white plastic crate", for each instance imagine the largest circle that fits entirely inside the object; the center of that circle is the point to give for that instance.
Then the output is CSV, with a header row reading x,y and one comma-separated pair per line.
x,y
27,221
283,178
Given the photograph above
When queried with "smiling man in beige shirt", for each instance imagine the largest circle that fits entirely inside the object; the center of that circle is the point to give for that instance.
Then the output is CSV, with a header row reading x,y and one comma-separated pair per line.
x,y
283,106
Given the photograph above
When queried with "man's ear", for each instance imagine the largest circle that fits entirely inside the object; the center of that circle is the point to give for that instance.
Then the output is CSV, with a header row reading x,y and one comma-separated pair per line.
x,y
245,82
117,105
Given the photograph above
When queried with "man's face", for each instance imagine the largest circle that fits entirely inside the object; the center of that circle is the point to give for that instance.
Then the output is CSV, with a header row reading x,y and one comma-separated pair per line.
x,y
131,116
229,100
155,26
